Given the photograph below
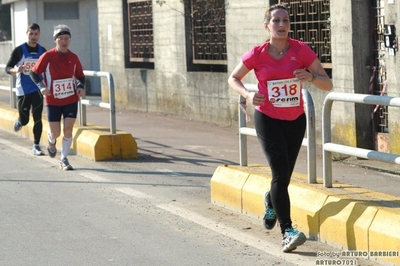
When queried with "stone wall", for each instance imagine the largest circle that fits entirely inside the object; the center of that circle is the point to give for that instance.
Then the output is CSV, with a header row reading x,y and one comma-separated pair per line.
x,y
169,88
5,51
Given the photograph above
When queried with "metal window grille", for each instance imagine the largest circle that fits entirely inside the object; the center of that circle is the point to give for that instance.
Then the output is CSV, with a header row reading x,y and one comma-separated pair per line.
x,y
140,20
310,23
382,113
208,35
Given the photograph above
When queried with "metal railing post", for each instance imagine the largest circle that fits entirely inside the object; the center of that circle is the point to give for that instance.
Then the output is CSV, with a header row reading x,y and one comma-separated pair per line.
x,y
113,122
310,142
326,137
82,112
242,137
82,102
110,105
311,137
13,97
329,147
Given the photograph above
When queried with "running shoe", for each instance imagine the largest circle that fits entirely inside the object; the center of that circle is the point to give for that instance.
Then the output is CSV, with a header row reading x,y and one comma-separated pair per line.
x,y
292,239
37,151
51,149
269,219
17,125
64,165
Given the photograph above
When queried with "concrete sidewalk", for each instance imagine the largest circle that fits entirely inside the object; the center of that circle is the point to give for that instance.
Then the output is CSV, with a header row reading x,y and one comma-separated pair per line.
x,y
361,212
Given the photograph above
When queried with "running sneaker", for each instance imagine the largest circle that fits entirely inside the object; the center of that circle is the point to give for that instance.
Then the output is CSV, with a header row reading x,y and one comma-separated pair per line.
x,y
51,149
269,219
37,151
64,165
17,125
292,239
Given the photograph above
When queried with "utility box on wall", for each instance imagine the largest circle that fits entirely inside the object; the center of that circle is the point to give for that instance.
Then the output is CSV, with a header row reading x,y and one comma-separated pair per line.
x,y
390,39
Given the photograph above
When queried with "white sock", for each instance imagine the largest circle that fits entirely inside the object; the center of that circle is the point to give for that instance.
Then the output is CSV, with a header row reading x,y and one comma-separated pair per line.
x,y
66,146
51,140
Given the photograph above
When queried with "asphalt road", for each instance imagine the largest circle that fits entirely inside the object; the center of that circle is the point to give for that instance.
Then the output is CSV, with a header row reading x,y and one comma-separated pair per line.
x,y
154,210
151,211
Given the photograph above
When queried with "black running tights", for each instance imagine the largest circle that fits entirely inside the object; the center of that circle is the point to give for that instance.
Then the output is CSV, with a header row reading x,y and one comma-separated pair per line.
x,y
280,141
34,100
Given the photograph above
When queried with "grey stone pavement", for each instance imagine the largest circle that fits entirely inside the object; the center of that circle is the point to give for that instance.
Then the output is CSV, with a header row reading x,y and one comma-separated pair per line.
x,y
213,145
210,145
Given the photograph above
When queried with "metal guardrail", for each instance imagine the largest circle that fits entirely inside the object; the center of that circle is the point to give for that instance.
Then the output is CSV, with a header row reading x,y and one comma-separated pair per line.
x,y
13,97
110,105
329,147
310,141
83,102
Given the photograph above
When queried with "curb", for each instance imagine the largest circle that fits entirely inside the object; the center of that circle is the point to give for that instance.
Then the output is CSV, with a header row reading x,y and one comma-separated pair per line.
x,y
93,142
347,217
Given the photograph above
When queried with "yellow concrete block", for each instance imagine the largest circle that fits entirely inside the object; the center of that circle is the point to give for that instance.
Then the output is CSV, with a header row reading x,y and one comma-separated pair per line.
x,y
344,222
123,146
384,234
93,142
226,187
85,144
8,116
100,145
128,146
253,194
306,203
347,217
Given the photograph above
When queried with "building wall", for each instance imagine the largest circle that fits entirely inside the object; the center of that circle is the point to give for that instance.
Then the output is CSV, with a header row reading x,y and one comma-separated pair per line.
x,y
79,29
5,51
111,50
206,96
168,88
343,114
393,80
244,30
25,12
20,14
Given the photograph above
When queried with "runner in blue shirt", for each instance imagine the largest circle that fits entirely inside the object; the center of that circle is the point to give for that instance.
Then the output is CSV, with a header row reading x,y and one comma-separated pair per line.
x,y
22,59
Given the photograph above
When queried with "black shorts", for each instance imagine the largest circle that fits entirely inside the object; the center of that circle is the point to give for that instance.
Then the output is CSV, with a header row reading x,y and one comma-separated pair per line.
x,y
54,113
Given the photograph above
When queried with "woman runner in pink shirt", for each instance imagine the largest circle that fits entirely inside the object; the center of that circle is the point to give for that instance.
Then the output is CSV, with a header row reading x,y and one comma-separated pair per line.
x,y
281,65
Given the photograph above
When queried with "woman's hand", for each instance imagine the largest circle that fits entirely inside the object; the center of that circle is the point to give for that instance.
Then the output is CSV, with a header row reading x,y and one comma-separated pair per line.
x,y
317,76
255,98
303,75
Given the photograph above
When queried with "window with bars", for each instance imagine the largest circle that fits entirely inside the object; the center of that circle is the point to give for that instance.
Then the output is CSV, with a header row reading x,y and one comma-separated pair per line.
x,y
205,35
139,48
310,23
61,10
381,112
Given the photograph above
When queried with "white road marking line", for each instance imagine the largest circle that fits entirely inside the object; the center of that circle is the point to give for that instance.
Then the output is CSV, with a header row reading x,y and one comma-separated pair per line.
x,y
237,235
169,171
94,177
191,216
28,151
134,193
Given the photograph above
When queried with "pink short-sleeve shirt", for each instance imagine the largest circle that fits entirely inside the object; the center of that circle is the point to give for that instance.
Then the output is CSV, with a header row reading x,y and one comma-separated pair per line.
x,y
276,81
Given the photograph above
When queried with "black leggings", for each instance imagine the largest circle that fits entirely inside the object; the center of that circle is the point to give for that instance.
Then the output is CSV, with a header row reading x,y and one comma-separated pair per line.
x,y
25,102
281,142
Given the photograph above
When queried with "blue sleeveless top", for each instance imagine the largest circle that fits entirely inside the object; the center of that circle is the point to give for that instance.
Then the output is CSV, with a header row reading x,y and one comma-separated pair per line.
x,y
24,83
